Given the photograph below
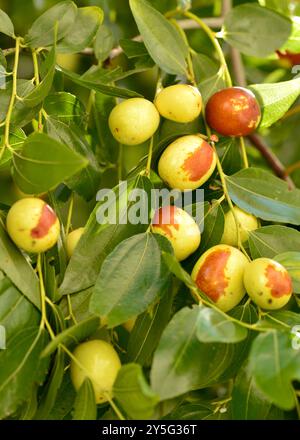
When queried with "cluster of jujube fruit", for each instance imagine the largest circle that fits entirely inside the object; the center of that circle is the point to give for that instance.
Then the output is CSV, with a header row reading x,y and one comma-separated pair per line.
x,y
223,272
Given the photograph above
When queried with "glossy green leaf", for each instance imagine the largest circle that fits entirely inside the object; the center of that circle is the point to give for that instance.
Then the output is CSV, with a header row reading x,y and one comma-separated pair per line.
x,y
82,31
260,193
17,268
85,405
16,140
104,43
44,163
65,107
211,85
161,39
199,411
274,364
214,327
73,335
6,26
247,28
270,241
21,367
133,49
275,99
213,226
204,67
21,114
293,43
133,393
291,261
42,31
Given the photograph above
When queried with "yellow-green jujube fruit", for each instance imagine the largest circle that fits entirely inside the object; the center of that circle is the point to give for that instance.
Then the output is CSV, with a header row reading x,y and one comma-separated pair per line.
x,y
179,228
98,361
219,274
179,103
72,240
134,121
187,163
247,222
268,283
33,225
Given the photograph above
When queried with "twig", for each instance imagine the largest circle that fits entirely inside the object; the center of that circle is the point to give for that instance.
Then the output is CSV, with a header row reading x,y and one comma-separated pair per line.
x,y
271,159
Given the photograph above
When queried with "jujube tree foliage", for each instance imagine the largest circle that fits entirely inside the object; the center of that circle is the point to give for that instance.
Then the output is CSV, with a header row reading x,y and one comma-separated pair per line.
x,y
183,320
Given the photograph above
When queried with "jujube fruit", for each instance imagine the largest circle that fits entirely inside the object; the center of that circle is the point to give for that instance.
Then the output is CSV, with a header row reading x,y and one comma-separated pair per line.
x,y
179,103
33,225
100,363
72,240
134,121
268,283
219,274
247,222
187,163
179,228
233,112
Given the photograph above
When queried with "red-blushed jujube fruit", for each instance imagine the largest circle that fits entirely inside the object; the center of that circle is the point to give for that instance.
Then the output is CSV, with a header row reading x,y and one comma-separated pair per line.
x,y
187,163
179,228
33,225
98,361
180,103
233,112
72,240
133,121
268,283
219,274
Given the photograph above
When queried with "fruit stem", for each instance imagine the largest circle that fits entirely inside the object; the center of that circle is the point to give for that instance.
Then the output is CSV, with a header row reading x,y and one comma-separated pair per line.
x,y
37,82
12,98
244,153
149,160
212,36
44,320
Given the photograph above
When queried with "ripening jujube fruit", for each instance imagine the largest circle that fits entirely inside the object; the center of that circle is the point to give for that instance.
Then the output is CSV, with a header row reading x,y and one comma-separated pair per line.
x,y
101,364
72,240
179,103
179,228
233,112
219,274
268,283
33,225
247,222
134,121
187,163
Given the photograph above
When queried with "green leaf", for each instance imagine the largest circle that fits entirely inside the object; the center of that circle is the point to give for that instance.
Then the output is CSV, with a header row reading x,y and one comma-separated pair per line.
x,y
39,93
98,87
211,85
274,364
161,39
260,193
247,28
44,163
198,411
133,393
86,181
134,266
21,368
6,26
148,329
248,402
85,404
64,401
17,268
230,155
65,107
99,240
16,139
73,335
213,226
50,390
181,362
269,241
291,261
80,304
282,6
21,114
16,312
204,67
275,99
82,31
104,43
42,31
214,327
133,49
293,43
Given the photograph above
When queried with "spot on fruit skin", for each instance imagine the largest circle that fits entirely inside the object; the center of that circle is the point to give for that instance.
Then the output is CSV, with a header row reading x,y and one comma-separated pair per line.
x,y
199,162
211,278
164,219
279,283
47,219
